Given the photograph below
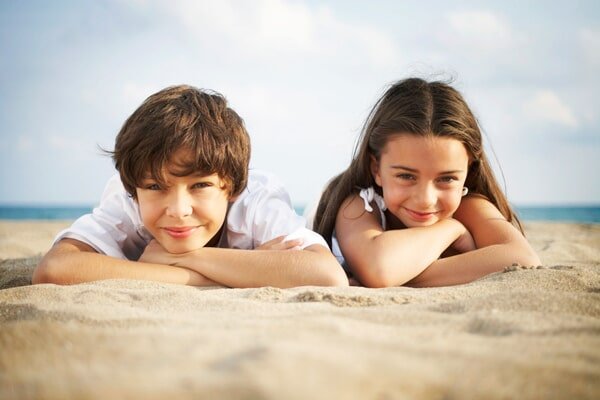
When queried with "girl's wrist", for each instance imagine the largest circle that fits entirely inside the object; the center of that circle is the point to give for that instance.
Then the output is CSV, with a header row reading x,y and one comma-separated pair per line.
x,y
457,227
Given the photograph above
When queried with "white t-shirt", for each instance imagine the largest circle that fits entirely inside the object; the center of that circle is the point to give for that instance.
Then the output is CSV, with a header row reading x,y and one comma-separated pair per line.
x,y
263,211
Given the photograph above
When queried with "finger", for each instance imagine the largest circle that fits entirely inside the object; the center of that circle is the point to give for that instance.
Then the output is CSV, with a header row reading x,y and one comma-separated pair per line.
x,y
293,244
273,242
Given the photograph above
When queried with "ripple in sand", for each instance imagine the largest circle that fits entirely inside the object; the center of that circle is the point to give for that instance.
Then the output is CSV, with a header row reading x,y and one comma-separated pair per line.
x,y
349,301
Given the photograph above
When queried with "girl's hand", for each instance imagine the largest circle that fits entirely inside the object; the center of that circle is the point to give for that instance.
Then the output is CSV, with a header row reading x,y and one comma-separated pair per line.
x,y
280,244
464,243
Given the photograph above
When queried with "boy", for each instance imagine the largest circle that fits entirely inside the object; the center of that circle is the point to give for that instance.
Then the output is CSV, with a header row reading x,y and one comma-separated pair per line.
x,y
186,209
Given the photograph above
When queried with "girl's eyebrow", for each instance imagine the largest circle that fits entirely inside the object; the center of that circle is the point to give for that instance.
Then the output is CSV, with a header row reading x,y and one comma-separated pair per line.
x,y
456,171
403,167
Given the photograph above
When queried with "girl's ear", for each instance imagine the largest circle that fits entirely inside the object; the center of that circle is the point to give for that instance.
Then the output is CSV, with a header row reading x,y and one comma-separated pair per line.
x,y
375,170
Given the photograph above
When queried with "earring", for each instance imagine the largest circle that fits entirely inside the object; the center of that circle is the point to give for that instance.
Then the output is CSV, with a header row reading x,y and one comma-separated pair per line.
x,y
465,190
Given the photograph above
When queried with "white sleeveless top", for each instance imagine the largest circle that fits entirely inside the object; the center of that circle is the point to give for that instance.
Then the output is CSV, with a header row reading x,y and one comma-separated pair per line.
x,y
369,195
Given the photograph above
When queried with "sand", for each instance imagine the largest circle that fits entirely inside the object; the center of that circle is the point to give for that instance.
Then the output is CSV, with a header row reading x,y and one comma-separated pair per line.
x,y
522,333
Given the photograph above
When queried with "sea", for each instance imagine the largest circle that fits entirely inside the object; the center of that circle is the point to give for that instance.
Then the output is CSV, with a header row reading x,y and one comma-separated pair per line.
x,y
558,213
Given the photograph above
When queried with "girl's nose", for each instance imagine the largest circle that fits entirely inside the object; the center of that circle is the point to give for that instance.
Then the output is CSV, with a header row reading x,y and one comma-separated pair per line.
x,y
180,205
427,195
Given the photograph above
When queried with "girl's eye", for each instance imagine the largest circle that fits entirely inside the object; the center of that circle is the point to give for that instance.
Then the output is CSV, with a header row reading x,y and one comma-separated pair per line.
x,y
153,186
447,179
406,177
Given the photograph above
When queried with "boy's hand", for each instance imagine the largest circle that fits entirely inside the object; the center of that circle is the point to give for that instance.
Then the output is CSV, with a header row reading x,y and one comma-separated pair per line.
x,y
280,244
154,253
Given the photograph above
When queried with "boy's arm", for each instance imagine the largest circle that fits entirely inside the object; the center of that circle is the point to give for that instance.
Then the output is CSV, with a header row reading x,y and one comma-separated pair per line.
x,y
499,245
71,261
313,266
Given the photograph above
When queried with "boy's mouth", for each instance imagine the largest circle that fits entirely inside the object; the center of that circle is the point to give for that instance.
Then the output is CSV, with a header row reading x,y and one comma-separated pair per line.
x,y
180,232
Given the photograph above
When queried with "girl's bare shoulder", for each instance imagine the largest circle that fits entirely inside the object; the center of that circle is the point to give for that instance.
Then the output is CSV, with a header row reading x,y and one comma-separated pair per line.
x,y
352,211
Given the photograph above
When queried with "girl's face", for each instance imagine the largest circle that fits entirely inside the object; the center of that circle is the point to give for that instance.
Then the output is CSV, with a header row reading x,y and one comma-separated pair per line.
x,y
422,178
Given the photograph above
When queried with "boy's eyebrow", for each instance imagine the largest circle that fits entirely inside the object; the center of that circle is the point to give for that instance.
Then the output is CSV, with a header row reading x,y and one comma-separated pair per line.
x,y
455,171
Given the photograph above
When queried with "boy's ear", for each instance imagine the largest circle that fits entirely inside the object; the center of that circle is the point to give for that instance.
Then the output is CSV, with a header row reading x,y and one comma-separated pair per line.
x,y
375,170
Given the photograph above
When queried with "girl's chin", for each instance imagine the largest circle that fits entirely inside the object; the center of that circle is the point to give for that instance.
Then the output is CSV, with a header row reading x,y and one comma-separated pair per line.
x,y
410,223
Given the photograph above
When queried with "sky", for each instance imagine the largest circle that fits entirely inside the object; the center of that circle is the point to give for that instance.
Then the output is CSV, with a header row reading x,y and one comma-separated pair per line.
x,y
303,75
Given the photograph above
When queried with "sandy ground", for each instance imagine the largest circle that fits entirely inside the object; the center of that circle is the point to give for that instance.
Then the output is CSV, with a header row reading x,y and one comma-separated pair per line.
x,y
523,333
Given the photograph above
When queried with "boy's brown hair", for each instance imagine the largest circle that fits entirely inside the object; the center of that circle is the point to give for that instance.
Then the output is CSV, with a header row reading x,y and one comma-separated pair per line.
x,y
183,117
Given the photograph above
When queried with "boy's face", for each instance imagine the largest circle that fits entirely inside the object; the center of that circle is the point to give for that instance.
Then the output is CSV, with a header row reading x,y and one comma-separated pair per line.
x,y
187,213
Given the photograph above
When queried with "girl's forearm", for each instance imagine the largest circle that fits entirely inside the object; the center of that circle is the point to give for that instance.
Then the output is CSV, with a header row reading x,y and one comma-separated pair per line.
x,y
400,255
467,267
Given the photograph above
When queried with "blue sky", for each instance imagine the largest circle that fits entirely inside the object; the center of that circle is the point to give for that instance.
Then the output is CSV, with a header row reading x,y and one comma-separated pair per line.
x,y
303,75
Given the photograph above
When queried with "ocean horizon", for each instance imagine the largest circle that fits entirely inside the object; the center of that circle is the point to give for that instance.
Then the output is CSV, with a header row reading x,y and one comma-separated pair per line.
x,y
558,213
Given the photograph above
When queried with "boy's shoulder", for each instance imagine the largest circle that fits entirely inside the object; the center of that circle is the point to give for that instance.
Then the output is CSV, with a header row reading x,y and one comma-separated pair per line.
x,y
262,181
262,189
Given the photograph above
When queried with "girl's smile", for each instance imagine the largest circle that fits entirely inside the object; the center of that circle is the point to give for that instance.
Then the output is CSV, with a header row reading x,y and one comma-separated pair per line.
x,y
422,216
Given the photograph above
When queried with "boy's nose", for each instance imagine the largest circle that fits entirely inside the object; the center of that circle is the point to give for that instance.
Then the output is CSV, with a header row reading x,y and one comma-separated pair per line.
x,y
179,205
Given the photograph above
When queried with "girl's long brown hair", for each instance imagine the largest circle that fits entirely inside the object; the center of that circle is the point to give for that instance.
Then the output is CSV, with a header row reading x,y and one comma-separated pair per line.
x,y
422,108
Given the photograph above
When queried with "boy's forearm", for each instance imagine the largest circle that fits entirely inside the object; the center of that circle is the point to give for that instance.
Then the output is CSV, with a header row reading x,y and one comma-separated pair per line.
x,y
65,264
314,266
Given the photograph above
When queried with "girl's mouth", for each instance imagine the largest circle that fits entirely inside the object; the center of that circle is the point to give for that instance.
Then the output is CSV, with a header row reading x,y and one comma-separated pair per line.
x,y
420,216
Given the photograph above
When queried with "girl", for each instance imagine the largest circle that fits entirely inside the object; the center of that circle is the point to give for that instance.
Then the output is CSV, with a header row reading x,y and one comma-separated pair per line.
x,y
419,204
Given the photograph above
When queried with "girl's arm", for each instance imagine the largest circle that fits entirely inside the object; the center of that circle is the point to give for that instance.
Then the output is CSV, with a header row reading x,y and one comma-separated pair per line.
x,y
313,266
381,258
499,244
71,261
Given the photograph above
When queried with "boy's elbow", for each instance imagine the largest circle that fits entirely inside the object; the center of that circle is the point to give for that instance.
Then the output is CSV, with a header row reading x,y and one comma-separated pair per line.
x,y
48,271
335,275
41,273
338,278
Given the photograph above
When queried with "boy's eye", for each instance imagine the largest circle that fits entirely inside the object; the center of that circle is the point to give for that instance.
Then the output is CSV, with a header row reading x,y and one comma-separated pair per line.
x,y
201,185
153,186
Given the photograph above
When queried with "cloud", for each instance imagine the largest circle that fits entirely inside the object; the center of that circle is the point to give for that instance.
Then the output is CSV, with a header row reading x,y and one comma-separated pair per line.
x,y
24,143
589,40
483,30
546,106
73,146
276,28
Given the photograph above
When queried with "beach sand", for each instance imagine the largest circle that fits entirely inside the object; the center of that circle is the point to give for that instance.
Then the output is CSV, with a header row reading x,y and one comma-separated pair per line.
x,y
522,333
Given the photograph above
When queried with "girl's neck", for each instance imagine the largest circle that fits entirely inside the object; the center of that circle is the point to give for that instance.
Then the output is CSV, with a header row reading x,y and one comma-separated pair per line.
x,y
392,222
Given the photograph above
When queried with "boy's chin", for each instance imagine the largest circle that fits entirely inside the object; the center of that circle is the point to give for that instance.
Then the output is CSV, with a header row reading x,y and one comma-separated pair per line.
x,y
181,248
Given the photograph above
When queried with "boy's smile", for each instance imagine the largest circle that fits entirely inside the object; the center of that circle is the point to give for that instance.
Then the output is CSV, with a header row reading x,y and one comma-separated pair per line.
x,y
185,214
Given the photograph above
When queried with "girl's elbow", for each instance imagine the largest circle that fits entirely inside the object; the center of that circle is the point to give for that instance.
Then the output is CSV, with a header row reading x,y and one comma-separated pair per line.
x,y
379,275
529,258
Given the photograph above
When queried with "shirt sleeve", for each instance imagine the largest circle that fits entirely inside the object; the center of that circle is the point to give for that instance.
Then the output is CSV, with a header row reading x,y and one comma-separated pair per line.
x,y
265,212
114,228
